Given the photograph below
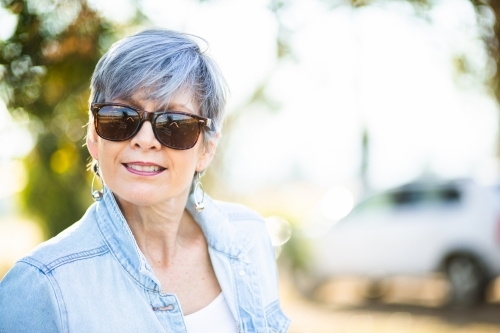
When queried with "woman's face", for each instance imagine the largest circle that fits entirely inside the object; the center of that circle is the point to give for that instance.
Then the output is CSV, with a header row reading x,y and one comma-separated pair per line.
x,y
141,170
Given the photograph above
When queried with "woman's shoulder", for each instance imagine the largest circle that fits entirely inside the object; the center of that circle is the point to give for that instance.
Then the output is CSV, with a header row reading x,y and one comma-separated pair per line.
x,y
239,212
80,240
246,220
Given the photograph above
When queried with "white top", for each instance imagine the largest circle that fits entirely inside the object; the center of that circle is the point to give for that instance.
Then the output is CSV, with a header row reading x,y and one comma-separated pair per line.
x,y
216,317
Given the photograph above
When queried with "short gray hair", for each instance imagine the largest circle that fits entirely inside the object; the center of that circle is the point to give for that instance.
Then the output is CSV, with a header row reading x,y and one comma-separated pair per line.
x,y
156,64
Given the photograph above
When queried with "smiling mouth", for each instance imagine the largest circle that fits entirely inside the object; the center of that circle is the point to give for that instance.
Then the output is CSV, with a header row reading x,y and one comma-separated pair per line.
x,y
144,168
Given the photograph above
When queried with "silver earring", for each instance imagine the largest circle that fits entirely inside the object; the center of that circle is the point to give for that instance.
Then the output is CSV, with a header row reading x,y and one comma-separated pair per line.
x,y
96,194
198,204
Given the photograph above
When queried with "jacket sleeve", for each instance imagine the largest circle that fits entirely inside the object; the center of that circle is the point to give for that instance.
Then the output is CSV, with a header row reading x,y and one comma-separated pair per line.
x,y
278,322
29,301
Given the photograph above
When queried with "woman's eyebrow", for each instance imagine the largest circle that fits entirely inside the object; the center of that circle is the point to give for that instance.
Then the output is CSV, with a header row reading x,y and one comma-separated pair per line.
x,y
129,101
135,103
172,106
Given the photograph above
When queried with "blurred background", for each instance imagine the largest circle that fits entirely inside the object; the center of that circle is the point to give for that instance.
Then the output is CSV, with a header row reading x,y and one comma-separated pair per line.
x,y
368,130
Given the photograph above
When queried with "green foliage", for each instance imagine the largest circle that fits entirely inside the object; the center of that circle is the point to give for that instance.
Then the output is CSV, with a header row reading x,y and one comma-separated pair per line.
x,y
46,67
295,253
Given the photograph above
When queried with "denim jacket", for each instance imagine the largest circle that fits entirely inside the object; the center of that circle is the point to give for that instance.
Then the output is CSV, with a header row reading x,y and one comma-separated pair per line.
x,y
93,278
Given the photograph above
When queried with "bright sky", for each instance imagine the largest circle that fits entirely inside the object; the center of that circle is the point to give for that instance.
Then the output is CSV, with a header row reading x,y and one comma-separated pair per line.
x,y
379,67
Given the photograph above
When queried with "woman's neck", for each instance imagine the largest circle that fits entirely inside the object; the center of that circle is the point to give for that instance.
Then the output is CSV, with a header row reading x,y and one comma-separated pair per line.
x,y
161,230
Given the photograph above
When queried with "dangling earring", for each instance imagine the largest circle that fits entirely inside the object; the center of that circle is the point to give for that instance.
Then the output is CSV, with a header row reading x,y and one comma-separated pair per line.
x,y
96,194
198,204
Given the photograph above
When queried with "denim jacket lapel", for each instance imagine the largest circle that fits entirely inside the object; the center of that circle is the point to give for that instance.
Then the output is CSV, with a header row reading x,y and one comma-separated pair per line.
x,y
119,237
229,248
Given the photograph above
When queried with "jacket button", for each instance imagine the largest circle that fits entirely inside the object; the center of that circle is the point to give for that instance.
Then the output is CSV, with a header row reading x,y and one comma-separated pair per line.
x,y
242,273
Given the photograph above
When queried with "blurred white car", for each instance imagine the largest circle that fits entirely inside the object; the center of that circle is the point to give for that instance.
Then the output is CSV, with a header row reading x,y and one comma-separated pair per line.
x,y
414,230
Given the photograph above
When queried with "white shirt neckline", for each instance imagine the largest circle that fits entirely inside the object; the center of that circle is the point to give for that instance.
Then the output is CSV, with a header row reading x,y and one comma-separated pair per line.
x,y
216,317
202,311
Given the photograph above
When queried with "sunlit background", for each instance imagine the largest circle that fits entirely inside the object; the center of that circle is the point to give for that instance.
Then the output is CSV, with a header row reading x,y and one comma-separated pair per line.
x,y
330,101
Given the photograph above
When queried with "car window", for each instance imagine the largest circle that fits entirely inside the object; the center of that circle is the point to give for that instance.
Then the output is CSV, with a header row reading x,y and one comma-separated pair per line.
x,y
450,195
377,202
402,198
426,197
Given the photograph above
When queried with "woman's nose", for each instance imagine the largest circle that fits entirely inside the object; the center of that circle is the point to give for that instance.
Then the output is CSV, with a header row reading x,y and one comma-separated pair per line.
x,y
145,138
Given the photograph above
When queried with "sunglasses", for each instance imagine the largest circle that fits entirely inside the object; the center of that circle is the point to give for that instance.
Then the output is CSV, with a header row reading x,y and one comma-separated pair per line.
x,y
173,129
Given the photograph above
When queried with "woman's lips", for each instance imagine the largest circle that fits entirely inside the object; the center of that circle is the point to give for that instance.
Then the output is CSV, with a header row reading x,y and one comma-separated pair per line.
x,y
143,169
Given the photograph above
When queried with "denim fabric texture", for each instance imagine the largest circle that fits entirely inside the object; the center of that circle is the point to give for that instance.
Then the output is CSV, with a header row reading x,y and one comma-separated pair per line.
x,y
93,277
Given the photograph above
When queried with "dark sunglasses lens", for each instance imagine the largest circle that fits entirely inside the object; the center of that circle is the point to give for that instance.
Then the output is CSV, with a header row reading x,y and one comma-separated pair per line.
x,y
116,122
177,131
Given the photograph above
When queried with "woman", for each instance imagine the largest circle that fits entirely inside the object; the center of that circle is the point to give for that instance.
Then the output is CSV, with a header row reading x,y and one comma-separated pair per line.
x,y
153,254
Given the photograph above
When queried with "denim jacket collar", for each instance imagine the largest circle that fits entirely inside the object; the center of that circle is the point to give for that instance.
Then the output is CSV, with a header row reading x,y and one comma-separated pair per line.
x,y
119,237
222,236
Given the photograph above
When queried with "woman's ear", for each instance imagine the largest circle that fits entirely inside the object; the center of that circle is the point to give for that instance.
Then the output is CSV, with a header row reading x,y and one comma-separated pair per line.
x,y
207,154
92,144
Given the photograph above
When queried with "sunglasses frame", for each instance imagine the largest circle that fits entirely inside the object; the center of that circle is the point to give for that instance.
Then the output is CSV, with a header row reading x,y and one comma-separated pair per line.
x,y
151,117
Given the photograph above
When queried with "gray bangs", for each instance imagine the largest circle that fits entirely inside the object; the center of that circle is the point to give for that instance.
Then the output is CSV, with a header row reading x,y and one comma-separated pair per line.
x,y
155,64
